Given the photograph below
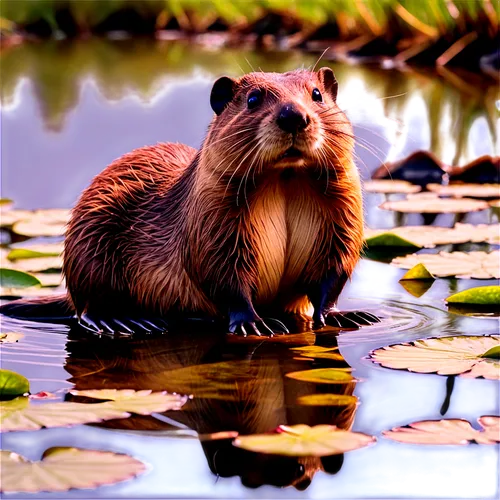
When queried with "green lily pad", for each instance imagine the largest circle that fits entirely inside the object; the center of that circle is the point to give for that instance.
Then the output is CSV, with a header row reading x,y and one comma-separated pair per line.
x,y
26,253
12,384
389,239
481,295
323,376
10,278
418,272
327,400
493,353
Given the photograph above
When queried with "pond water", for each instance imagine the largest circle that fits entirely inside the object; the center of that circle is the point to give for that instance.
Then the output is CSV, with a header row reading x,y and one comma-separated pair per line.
x,y
69,109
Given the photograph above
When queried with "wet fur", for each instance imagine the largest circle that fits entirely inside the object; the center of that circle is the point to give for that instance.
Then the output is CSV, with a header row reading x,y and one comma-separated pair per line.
x,y
168,229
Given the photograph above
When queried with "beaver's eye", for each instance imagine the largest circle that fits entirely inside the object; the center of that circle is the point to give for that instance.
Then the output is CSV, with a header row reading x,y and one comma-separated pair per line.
x,y
316,95
254,99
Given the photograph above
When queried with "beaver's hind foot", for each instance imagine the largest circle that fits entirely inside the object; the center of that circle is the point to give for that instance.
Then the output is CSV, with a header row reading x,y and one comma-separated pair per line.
x,y
127,326
351,320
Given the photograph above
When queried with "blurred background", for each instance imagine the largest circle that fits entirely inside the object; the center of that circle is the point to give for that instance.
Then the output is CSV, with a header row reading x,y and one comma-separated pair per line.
x,y
83,82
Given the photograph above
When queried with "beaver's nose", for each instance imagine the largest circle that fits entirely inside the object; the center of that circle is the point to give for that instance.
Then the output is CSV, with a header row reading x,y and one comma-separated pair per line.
x,y
291,119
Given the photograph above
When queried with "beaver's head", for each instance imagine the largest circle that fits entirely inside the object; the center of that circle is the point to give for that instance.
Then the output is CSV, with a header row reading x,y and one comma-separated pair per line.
x,y
274,120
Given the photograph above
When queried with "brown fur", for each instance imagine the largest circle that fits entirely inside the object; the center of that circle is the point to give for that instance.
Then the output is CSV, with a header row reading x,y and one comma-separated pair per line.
x,y
165,228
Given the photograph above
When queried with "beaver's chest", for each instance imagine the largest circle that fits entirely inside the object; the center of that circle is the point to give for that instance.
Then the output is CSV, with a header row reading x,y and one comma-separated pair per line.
x,y
286,222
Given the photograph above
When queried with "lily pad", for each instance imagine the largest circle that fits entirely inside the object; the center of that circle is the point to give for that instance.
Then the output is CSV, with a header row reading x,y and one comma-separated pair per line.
x,y
387,238
449,431
35,265
466,190
20,415
418,272
62,469
12,384
481,295
462,355
34,291
5,201
327,400
304,441
10,217
431,236
430,203
390,186
10,337
478,265
36,251
313,349
323,376
335,356
43,223
10,278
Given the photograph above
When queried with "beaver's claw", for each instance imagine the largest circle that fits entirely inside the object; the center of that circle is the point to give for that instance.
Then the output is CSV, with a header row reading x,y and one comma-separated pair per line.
x,y
348,319
127,326
258,327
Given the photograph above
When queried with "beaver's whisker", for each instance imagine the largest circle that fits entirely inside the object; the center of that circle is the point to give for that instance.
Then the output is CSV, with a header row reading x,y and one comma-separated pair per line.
x,y
247,171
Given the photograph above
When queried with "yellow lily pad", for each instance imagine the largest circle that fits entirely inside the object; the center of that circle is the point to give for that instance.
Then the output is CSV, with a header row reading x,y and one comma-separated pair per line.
x,y
418,272
327,400
481,295
304,441
448,431
62,469
323,376
461,355
12,384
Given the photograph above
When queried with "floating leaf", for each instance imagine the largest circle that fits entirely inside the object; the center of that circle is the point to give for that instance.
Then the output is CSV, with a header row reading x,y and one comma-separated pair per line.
x,y
323,376
324,355
418,272
20,415
388,239
142,402
434,205
466,189
10,337
481,295
304,441
5,201
327,400
10,278
12,384
62,469
49,279
10,217
450,431
478,265
389,186
43,223
313,349
493,353
430,236
29,253
34,291
35,265
445,356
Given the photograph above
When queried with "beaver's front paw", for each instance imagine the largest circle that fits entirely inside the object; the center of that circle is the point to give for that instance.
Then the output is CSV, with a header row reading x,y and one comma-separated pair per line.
x,y
241,324
351,320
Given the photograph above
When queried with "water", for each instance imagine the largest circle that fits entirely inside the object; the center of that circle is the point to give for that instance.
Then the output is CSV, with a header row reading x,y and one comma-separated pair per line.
x,y
70,109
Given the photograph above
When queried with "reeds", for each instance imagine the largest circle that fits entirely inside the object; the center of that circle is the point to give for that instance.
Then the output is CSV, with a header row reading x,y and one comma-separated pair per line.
x,y
423,30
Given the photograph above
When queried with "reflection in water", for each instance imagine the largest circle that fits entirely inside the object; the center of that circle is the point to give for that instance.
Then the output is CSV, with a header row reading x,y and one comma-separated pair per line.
x,y
237,386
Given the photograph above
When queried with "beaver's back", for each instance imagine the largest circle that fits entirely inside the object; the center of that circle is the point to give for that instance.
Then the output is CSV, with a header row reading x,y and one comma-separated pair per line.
x,y
105,227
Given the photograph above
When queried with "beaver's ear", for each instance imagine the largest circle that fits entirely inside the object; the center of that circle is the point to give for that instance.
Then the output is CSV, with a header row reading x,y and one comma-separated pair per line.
x,y
222,94
327,78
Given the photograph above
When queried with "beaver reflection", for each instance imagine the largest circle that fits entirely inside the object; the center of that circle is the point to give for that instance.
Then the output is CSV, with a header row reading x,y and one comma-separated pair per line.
x,y
238,385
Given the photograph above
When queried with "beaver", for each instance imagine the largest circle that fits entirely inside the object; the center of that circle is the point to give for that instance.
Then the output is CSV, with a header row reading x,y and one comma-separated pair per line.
x,y
265,218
